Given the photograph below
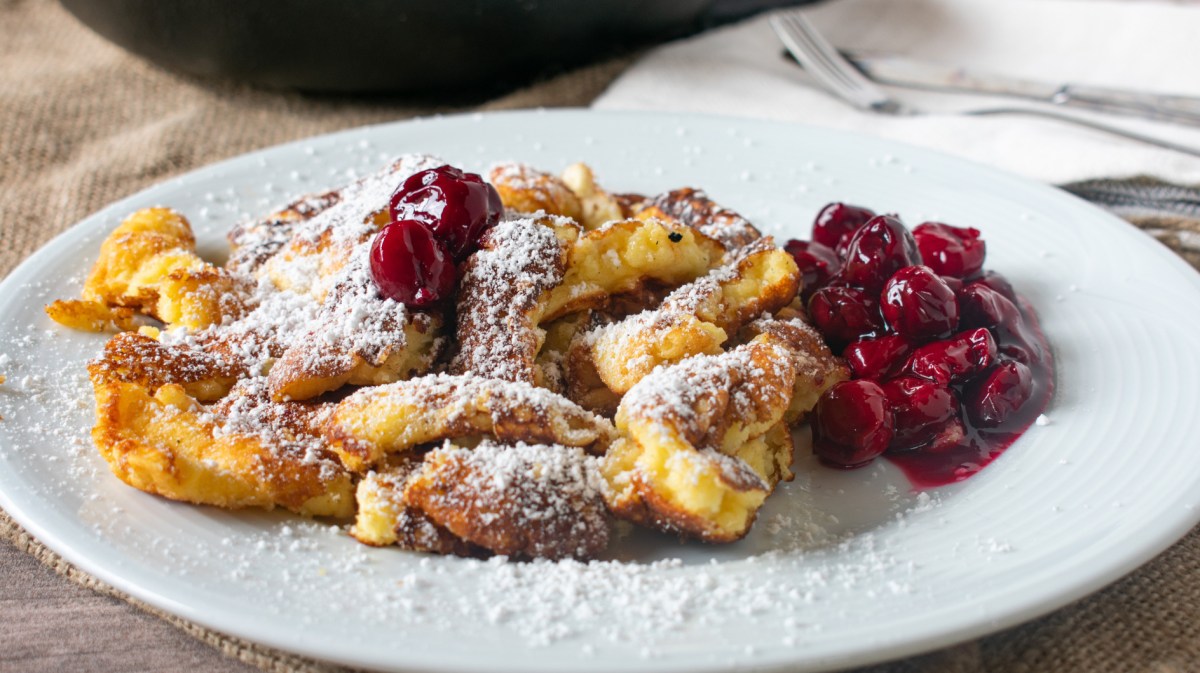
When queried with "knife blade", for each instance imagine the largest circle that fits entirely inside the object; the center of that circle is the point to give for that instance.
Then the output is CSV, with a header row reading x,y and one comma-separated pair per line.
x,y
906,72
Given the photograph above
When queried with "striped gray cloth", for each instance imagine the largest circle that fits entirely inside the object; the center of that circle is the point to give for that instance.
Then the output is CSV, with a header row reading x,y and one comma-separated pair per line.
x,y
1166,211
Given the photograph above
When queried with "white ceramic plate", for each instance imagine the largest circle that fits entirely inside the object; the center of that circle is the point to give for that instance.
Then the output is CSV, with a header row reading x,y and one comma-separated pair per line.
x,y
843,568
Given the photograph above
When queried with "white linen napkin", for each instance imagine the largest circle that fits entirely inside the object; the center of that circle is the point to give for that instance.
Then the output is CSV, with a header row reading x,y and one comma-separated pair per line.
x,y
738,70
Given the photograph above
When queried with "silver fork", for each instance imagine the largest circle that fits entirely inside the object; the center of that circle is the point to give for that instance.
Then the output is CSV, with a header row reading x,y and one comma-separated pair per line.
x,y
842,79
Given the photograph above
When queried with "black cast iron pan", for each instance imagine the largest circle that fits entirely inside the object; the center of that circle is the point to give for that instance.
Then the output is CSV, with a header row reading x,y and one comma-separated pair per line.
x,y
391,45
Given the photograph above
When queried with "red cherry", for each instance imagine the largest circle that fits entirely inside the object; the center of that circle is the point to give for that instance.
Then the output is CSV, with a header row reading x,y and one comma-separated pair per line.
x,y
843,314
817,263
921,410
953,360
456,206
876,358
410,266
852,424
998,283
994,397
984,307
837,221
955,284
878,249
981,306
950,251
919,305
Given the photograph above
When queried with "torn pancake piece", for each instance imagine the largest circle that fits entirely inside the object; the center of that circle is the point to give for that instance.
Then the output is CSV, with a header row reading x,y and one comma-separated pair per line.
x,y
244,452
693,208
678,466
149,265
501,297
385,518
624,256
697,318
524,189
375,422
817,368
522,500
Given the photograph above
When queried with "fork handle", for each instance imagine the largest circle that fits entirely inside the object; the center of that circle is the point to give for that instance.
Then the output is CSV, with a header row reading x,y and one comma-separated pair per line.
x,y
1071,119
1163,107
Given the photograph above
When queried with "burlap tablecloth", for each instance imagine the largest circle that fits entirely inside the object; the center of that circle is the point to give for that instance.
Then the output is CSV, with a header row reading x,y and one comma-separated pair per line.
x,y
82,124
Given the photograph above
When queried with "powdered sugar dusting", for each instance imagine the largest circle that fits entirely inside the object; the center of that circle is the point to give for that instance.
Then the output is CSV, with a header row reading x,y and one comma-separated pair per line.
x,y
498,336
455,397
690,396
346,314
350,218
515,174
532,500
671,395
693,208
287,429
321,320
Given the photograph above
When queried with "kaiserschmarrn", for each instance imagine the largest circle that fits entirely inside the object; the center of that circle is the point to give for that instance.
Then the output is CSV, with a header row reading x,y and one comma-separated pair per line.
x,y
603,356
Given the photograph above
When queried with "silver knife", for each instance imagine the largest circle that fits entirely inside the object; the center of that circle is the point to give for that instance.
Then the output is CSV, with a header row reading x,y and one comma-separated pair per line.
x,y
901,71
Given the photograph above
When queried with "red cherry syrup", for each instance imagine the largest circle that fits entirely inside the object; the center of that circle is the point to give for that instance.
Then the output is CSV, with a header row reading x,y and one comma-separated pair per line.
x,y
949,365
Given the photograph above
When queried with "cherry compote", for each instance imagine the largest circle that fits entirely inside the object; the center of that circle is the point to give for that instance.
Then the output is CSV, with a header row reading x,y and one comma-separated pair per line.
x,y
918,305
955,360
876,250
921,409
950,251
437,218
410,265
836,222
876,358
816,263
949,365
456,206
844,314
852,424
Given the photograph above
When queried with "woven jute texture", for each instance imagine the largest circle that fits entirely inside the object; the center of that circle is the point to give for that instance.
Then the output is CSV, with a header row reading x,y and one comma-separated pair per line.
x,y
82,124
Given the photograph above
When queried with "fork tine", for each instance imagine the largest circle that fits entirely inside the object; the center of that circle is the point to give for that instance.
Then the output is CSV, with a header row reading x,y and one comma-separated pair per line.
x,y
827,63
812,45
801,47
824,62
826,52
